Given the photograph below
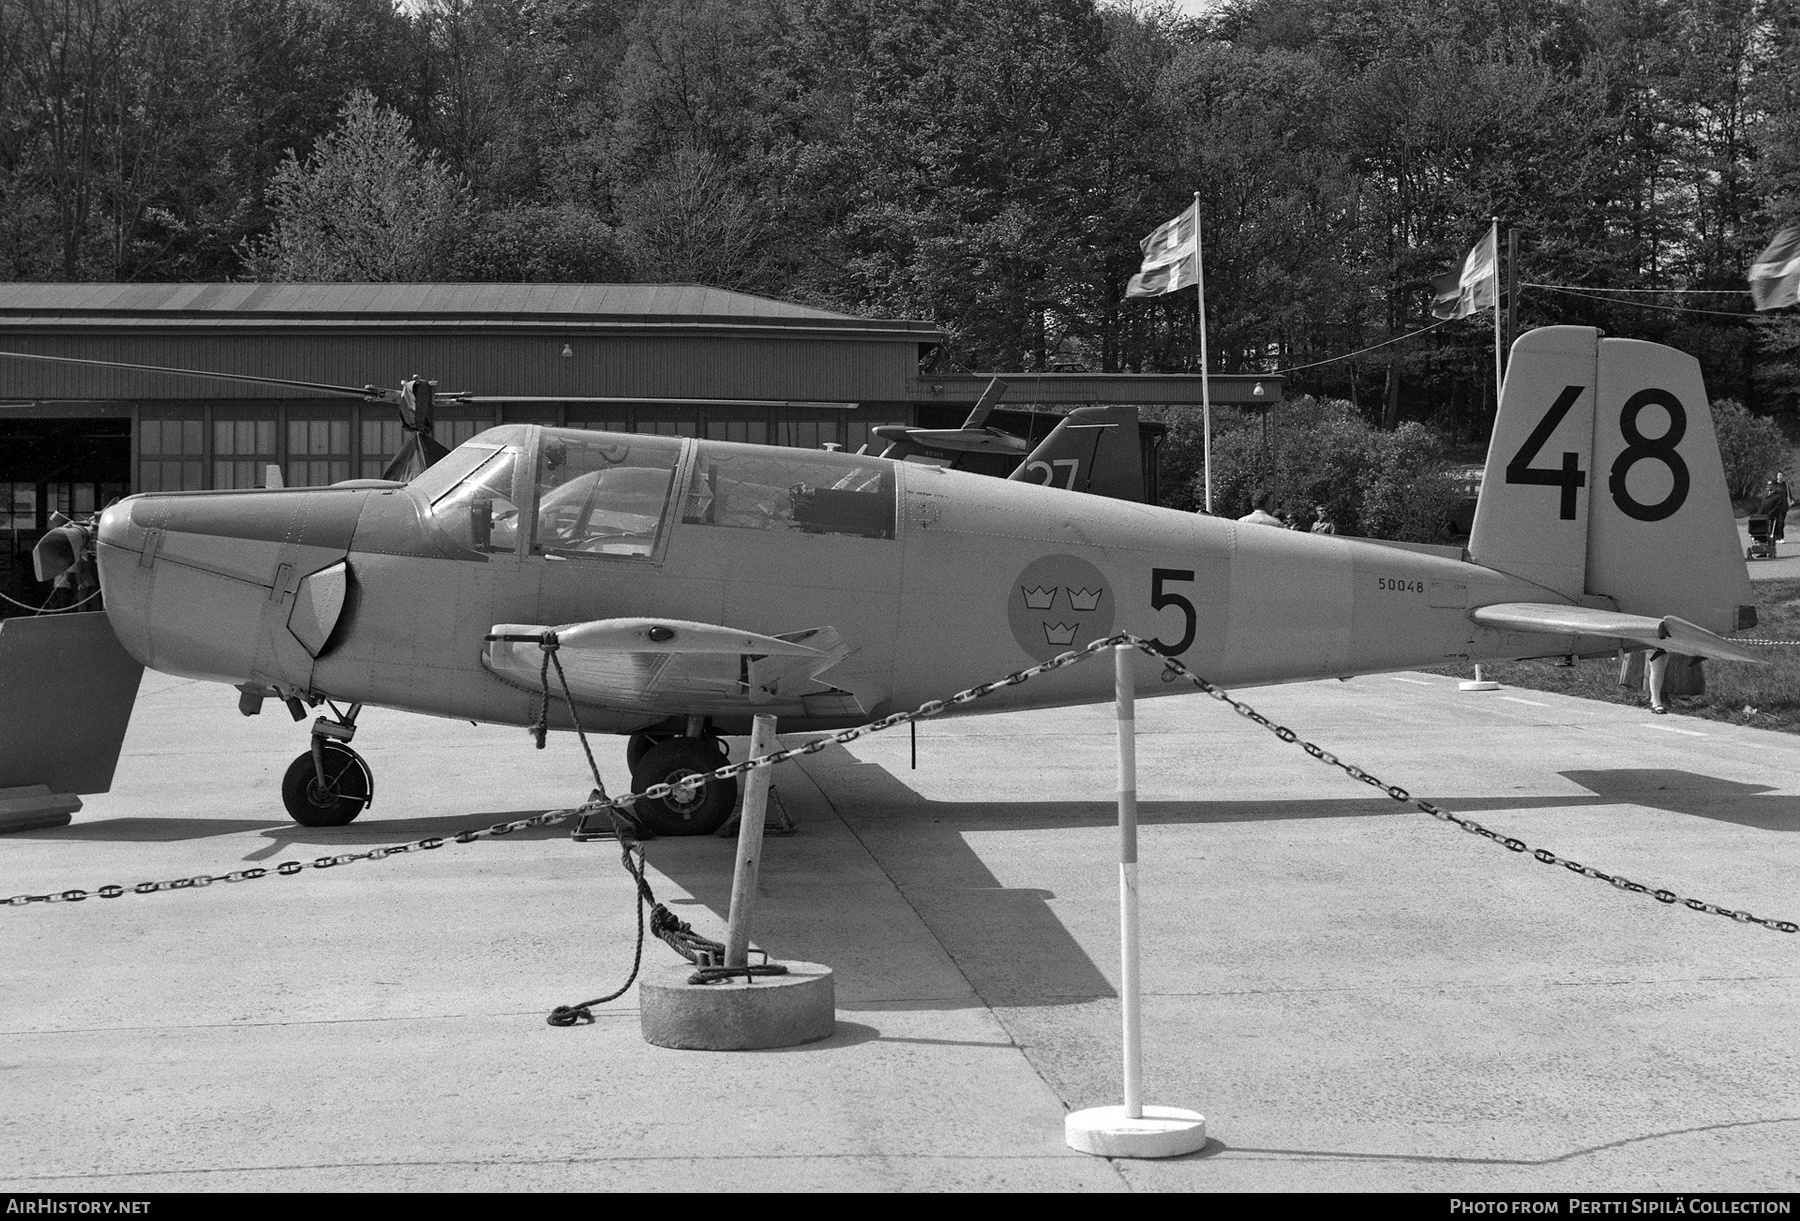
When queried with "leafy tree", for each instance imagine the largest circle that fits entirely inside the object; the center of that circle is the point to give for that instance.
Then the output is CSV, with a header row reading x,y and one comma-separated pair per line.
x,y
1753,448
368,204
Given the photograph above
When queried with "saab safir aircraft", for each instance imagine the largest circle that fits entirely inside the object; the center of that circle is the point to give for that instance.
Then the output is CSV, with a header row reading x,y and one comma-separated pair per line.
x,y
693,584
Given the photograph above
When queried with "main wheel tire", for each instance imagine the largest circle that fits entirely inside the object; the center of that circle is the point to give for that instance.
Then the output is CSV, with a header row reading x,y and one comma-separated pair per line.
x,y
640,744
347,792
697,811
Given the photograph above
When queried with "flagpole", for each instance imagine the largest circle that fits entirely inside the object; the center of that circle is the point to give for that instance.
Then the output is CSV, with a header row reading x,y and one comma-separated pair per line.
x,y
1205,378
1499,375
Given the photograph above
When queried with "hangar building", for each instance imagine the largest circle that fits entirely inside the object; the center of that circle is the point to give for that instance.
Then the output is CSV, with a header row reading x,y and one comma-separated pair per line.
x,y
73,438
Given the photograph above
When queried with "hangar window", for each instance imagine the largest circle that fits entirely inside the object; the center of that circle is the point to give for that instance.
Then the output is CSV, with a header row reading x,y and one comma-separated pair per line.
x,y
479,511
758,487
601,495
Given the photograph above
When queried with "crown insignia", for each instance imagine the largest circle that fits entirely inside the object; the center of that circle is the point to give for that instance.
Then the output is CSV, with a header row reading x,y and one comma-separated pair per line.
x,y
1085,599
1060,633
1040,598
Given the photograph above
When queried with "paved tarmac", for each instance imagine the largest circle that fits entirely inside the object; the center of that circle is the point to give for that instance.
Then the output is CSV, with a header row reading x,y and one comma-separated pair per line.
x,y
1356,996
1783,566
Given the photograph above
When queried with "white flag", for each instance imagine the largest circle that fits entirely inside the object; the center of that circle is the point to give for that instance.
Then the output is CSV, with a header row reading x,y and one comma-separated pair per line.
x,y
1171,257
1775,276
1462,291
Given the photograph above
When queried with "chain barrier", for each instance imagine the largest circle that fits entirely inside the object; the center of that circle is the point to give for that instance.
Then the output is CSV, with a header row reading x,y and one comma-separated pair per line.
x,y
601,802
1543,855
1749,640
46,608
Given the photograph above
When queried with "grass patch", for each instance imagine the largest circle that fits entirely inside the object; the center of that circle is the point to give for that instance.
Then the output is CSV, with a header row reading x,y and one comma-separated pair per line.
x,y
1766,697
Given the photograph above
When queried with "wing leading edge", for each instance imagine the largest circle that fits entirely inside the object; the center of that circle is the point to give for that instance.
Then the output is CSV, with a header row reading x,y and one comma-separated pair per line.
x,y
675,667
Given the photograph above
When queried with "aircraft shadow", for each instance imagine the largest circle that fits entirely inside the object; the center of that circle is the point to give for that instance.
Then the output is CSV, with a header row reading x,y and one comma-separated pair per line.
x,y
878,794
367,832
1009,941
1732,801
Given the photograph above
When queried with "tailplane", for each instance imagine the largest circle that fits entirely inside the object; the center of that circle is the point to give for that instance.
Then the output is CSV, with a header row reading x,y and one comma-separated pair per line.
x,y
1604,484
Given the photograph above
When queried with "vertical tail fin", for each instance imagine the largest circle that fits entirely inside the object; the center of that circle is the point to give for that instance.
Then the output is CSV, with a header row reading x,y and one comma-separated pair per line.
x,y
1604,482
1094,449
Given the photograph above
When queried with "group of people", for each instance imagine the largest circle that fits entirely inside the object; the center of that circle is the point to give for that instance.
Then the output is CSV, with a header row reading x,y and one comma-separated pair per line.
x,y
1259,515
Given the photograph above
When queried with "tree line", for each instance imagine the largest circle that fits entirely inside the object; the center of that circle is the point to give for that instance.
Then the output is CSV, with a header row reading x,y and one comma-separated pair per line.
x,y
987,164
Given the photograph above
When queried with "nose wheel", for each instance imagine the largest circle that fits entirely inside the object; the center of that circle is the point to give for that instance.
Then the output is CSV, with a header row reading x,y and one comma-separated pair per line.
x,y
330,784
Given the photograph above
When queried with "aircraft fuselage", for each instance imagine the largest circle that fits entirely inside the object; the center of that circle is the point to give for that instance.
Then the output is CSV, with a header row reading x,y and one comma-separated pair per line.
x,y
970,578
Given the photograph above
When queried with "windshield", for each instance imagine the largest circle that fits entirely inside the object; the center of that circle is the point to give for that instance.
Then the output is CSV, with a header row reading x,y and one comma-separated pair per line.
x,y
603,495
479,512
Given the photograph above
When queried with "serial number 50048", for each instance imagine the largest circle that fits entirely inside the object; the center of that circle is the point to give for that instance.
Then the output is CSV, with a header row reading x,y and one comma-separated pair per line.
x,y
1399,586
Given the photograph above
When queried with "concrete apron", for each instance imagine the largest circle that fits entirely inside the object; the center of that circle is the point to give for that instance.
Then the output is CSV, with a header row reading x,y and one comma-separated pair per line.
x,y
1358,997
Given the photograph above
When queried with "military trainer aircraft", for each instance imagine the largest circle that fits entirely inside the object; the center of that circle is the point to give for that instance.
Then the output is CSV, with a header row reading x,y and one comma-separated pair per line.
x,y
694,584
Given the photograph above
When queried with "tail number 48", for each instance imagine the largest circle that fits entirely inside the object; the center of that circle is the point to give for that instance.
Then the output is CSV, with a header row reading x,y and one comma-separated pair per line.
x,y
1638,448
1661,449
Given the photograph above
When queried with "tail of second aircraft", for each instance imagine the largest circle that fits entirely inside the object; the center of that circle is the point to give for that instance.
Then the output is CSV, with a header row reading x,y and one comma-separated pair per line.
x,y
1605,487
1093,449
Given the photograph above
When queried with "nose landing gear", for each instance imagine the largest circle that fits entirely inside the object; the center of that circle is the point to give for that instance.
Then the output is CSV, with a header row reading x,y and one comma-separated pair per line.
x,y
329,785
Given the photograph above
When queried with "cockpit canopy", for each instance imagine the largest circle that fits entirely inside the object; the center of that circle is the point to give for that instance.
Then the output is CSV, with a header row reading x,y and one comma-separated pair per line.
x,y
608,494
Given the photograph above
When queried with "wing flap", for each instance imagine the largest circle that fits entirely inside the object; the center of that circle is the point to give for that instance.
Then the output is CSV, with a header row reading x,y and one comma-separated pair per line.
x,y
1675,635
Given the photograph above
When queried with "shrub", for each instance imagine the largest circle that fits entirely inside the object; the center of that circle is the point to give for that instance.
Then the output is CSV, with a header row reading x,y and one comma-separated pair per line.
x,y
1752,446
1373,484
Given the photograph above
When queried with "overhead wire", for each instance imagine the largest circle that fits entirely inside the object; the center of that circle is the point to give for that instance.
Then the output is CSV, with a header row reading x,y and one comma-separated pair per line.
x,y
1371,348
1567,290
1739,292
1666,309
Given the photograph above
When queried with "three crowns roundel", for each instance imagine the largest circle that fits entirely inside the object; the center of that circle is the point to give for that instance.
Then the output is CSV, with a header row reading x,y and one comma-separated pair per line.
x,y
1060,602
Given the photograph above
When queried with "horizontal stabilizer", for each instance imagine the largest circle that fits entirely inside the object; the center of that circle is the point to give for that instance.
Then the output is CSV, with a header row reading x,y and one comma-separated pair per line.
x,y
1675,635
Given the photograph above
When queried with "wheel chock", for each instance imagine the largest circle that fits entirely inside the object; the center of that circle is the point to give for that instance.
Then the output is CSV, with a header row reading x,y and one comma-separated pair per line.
x,y
33,806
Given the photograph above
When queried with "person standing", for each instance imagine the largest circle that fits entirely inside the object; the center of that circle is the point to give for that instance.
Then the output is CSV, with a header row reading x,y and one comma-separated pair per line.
x,y
1323,524
1775,507
1259,514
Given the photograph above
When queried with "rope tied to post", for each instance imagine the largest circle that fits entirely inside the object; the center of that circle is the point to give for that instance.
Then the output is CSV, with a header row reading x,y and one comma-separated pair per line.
x,y
540,727
664,924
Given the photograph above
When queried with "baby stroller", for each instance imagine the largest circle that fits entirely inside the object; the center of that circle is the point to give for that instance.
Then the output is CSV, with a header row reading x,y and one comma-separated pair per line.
x,y
1762,539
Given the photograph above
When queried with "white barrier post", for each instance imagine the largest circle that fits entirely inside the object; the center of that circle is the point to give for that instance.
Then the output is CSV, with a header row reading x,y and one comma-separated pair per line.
x,y
1132,1130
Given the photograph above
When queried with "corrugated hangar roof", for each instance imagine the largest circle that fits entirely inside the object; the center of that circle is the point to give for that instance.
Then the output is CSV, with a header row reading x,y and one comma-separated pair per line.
x,y
565,305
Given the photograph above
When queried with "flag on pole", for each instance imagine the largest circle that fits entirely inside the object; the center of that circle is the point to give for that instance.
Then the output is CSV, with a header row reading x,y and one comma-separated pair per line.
x,y
1775,276
1473,286
1171,257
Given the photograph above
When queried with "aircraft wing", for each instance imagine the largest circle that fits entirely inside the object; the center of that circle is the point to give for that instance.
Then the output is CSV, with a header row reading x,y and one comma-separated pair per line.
x,y
1675,635
674,667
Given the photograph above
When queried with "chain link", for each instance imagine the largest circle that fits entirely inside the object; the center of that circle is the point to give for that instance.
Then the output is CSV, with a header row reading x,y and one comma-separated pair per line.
x,y
601,802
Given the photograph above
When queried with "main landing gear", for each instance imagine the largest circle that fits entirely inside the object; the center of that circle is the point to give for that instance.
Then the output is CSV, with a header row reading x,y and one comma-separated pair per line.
x,y
667,758
329,785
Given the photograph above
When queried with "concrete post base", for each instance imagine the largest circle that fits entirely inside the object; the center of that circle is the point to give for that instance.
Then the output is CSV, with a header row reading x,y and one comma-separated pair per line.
x,y
1162,1132
32,806
772,1011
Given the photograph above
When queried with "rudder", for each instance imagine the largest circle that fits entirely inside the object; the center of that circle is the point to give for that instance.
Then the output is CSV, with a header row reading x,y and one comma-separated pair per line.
x,y
1604,482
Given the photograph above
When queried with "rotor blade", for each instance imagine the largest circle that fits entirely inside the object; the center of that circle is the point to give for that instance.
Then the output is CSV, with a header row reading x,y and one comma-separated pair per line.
x,y
460,397
363,392
978,417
